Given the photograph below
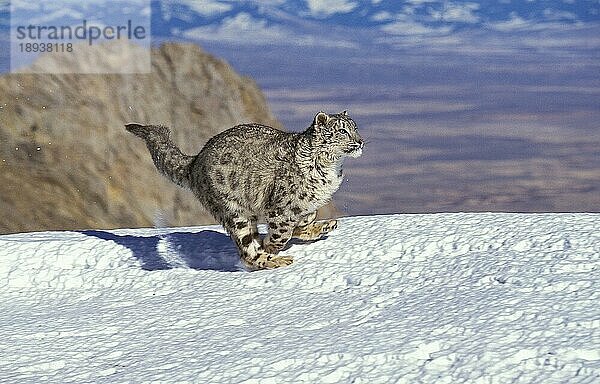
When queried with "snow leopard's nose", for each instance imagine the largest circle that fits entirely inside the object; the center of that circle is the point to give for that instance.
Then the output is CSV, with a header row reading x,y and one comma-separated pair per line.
x,y
361,144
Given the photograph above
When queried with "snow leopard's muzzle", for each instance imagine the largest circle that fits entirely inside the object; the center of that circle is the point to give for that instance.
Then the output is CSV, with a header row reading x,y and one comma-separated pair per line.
x,y
355,149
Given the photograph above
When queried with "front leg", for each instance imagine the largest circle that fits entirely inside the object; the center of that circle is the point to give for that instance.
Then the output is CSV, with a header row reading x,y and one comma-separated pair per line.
x,y
308,229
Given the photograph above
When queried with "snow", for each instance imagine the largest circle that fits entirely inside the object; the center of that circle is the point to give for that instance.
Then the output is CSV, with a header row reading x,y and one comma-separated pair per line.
x,y
444,298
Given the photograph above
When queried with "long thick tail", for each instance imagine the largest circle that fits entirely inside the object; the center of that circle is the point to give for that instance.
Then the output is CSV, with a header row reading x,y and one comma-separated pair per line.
x,y
169,159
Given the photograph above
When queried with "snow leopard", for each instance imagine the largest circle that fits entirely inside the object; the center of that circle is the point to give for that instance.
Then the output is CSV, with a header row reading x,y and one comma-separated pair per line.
x,y
254,172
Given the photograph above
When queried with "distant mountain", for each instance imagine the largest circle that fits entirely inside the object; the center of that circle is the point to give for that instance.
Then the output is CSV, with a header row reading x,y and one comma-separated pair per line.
x,y
376,25
343,23
66,160
348,23
527,67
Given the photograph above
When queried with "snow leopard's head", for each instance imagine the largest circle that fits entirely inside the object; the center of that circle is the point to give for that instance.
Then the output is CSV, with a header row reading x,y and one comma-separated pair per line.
x,y
338,134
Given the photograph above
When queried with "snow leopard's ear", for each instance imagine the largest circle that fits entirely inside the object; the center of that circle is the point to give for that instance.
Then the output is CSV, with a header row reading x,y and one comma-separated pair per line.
x,y
344,113
321,119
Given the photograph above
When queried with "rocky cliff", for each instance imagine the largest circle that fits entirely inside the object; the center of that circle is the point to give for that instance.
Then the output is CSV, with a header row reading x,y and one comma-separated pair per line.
x,y
66,161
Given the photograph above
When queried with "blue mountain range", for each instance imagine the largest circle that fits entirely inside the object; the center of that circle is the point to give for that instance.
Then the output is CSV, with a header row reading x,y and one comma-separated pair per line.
x,y
342,23
348,22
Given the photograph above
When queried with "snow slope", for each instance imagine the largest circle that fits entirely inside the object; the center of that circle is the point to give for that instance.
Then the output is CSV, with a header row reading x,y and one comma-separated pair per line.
x,y
445,298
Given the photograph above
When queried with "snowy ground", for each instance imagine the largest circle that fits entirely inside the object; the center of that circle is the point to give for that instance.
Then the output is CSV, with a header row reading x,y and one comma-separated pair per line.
x,y
446,298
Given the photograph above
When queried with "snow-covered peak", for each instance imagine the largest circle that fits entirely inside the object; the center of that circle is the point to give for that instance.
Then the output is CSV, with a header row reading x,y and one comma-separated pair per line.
x,y
361,19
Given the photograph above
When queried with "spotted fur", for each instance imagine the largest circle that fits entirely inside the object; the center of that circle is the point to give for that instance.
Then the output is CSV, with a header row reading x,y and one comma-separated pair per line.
x,y
252,171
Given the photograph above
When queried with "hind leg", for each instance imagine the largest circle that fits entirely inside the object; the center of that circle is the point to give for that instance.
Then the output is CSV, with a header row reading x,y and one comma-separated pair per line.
x,y
245,234
308,229
281,228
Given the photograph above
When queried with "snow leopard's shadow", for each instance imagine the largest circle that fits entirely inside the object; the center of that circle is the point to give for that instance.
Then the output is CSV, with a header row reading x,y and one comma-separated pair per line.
x,y
295,241
205,250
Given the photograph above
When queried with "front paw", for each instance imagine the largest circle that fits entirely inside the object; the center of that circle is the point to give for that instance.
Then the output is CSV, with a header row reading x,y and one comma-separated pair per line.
x,y
266,260
316,230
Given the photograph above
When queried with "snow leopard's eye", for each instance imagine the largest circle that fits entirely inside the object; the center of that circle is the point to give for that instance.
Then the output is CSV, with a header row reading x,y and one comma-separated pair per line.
x,y
345,132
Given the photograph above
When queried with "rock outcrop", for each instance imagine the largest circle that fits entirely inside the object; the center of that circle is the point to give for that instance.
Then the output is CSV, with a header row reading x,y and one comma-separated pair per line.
x,y
66,162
